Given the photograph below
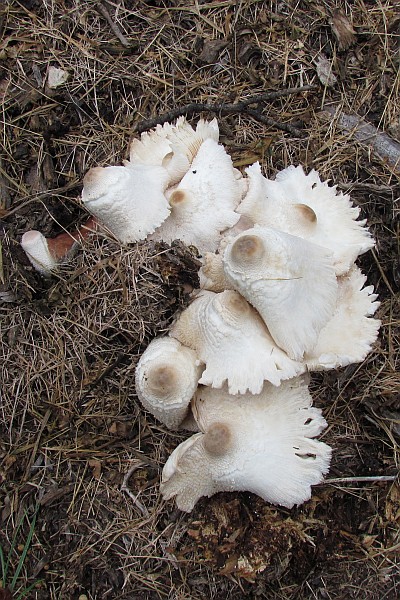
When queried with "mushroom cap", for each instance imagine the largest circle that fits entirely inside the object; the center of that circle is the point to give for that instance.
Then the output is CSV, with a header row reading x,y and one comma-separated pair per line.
x,y
130,202
188,140
304,206
37,250
166,378
261,444
211,274
349,334
155,149
290,281
231,339
172,146
203,204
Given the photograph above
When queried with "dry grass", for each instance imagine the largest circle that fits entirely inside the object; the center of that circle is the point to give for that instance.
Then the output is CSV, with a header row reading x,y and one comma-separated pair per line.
x,y
70,426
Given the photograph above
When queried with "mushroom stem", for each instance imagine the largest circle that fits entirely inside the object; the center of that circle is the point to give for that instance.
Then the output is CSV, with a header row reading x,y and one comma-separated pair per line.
x,y
63,243
45,254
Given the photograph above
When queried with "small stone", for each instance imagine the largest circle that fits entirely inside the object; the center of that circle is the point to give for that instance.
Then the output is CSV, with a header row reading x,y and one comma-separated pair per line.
x,y
56,77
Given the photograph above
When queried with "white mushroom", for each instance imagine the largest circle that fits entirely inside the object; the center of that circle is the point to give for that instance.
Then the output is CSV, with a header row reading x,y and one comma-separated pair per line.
x,y
231,339
203,204
166,378
261,444
189,140
290,281
349,334
130,202
155,149
46,254
211,274
304,206
172,146
37,250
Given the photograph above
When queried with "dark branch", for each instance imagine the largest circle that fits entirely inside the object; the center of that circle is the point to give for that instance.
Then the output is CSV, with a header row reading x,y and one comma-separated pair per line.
x,y
228,108
273,123
102,9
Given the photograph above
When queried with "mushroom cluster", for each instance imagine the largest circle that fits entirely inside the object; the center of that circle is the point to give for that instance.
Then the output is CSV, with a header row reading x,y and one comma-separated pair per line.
x,y
280,296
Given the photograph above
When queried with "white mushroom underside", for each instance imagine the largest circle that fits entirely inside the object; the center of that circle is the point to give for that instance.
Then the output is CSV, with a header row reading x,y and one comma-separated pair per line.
x,y
172,146
349,334
270,451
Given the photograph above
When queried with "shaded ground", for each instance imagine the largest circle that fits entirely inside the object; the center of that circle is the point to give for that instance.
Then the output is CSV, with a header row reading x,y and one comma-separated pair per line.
x,y
70,424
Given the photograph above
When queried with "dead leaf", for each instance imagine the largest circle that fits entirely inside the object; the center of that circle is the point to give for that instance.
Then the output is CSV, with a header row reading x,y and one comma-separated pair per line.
x,y
55,493
324,71
247,52
342,29
119,429
368,540
230,566
210,51
392,508
96,467
5,198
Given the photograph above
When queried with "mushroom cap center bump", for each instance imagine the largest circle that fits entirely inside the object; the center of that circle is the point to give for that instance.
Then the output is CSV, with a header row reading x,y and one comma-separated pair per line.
x,y
218,439
248,249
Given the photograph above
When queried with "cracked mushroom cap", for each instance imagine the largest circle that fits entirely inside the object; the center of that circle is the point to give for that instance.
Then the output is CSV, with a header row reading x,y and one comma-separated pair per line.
x,y
231,339
130,202
203,204
348,336
166,378
290,281
304,206
261,444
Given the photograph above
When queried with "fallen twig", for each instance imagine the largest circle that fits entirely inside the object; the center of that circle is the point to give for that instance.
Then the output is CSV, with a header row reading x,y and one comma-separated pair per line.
x,y
102,9
369,188
381,145
227,108
367,479
136,464
273,123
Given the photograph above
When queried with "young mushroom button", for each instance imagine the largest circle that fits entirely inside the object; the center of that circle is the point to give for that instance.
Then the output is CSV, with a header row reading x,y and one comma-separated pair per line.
x,y
166,378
